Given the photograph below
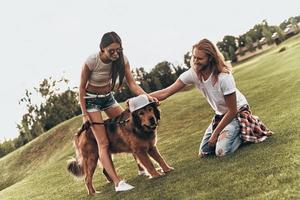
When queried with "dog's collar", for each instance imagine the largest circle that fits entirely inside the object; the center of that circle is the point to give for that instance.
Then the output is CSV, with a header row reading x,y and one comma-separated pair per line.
x,y
103,123
119,122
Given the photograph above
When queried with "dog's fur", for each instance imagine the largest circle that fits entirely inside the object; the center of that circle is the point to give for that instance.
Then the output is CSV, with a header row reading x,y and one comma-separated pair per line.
x,y
131,133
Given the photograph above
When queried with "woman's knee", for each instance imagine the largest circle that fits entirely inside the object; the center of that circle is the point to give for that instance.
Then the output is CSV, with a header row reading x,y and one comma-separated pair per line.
x,y
103,146
103,151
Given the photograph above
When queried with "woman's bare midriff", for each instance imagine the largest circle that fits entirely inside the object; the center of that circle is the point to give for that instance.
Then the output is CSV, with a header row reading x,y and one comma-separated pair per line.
x,y
97,89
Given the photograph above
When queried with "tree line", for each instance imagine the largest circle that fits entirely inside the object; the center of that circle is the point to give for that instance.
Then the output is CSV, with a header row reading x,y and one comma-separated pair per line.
x,y
57,106
230,44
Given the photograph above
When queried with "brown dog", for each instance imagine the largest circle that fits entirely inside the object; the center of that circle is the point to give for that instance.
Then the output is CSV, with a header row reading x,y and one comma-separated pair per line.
x,y
131,132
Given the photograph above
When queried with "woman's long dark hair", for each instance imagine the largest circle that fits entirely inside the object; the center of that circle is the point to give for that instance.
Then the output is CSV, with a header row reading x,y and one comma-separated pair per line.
x,y
118,66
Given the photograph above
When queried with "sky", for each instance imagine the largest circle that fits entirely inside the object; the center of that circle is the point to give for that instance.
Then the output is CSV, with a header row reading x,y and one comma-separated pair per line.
x,y
52,38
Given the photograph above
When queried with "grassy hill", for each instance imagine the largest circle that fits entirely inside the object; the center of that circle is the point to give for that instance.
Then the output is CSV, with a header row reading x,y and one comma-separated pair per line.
x,y
269,170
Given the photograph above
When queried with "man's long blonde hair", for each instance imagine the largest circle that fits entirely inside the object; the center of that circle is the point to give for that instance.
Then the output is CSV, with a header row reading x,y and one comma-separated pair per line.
x,y
216,60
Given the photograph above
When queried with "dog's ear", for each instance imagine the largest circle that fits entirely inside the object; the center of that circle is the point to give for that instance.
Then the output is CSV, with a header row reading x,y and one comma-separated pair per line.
x,y
136,119
127,104
156,111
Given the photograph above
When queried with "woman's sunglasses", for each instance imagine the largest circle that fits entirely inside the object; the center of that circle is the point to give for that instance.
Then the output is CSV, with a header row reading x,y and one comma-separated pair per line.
x,y
113,51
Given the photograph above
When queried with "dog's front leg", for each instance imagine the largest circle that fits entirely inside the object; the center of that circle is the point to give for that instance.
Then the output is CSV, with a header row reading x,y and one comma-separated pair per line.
x,y
154,153
144,159
140,168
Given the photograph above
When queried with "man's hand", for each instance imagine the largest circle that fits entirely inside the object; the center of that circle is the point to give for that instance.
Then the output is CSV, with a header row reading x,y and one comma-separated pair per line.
x,y
213,140
153,99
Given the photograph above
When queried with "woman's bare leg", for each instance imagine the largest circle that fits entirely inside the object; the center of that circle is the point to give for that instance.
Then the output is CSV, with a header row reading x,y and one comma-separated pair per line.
x,y
103,143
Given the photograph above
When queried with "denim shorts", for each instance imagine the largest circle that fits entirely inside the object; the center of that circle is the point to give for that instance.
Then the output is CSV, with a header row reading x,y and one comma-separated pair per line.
x,y
99,102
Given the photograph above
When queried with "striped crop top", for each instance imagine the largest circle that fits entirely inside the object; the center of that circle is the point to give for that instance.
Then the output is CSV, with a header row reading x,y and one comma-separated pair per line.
x,y
100,71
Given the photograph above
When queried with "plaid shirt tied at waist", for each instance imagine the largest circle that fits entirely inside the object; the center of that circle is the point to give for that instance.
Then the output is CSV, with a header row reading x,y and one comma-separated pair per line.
x,y
252,128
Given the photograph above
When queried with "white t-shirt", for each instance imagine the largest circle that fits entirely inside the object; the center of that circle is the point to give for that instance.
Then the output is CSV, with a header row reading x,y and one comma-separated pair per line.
x,y
215,93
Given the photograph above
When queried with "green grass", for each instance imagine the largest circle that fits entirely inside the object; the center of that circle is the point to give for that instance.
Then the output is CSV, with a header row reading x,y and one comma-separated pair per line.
x,y
268,170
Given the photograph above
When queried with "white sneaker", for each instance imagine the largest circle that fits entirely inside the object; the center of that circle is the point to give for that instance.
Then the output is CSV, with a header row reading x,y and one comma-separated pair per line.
x,y
123,186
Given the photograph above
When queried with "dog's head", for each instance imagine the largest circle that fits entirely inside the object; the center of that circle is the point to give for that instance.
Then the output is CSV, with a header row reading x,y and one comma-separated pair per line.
x,y
146,119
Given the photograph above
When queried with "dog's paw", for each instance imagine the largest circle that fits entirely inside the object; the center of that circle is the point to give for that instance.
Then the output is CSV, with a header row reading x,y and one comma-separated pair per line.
x,y
93,193
156,174
143,173
168,169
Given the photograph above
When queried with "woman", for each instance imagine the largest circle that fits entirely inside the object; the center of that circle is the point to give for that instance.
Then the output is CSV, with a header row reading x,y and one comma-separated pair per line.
x,y
101,73
210,74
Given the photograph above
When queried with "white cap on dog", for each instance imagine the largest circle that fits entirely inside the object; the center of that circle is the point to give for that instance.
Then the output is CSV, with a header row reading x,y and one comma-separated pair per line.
x,y
138,102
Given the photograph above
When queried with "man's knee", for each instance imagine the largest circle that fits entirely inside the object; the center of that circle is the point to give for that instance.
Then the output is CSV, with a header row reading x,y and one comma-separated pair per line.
x,y
206,150
220,152
222,147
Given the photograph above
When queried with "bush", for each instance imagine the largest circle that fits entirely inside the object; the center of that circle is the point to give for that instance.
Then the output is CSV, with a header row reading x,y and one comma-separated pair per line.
x,y
282,49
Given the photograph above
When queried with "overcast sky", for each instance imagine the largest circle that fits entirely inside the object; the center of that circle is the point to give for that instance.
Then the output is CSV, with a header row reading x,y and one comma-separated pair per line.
x,y
43,38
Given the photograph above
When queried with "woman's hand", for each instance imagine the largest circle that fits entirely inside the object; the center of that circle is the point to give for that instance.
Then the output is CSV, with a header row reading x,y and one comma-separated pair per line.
x,y
213,140
85,118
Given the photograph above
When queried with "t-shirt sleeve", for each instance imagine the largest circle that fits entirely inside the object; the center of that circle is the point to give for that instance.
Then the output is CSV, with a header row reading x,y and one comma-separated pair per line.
x,y
91,62
227,84
187,77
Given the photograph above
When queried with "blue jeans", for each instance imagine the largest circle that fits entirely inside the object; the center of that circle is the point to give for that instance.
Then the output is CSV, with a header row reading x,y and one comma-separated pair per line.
x,y
229,140
96,102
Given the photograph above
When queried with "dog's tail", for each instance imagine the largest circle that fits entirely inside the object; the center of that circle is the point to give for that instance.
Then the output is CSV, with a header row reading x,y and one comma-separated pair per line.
x,y
75,168
74,165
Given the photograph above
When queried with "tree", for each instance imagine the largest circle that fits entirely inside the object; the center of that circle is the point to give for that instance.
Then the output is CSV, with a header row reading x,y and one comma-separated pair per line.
x,y
231,54
164,72
249,43
145,85
179,70
268,35
228,47
187,59
226,55
156,83
229,41
294,23
6,147
284,24
123,94
54,108
259,46
266,31
257,32
58,108
280,33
